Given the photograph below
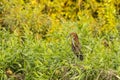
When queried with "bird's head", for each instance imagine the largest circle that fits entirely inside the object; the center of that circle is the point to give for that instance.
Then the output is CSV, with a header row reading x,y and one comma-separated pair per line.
x,y
73,35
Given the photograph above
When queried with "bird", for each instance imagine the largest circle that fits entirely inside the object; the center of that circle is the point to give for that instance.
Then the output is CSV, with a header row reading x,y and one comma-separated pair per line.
x,y
75,44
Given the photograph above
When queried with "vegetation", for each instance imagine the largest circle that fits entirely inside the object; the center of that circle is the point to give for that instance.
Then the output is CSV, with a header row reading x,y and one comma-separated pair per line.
x,y
34,43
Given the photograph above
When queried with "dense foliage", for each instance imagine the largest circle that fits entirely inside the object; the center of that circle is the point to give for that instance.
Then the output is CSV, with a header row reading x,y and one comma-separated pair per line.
x,y
34,43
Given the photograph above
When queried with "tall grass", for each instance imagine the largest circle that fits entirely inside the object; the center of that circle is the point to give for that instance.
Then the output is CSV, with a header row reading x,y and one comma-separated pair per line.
x,y
53,59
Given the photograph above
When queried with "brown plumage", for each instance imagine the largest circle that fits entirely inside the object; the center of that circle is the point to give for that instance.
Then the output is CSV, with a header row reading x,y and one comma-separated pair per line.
x,y
76,47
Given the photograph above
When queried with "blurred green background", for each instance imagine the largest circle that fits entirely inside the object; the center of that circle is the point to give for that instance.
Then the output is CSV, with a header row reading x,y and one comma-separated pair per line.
x,y
34,43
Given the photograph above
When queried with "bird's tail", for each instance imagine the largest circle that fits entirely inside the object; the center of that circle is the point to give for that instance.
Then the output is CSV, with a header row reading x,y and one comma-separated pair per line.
x,y
81,57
